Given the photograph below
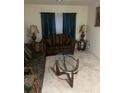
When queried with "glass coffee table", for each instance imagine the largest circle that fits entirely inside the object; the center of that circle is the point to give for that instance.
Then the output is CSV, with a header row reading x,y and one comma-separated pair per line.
x,y
67,66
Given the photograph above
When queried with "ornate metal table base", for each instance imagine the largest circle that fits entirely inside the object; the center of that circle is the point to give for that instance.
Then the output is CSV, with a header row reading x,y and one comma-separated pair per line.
x,y
64,70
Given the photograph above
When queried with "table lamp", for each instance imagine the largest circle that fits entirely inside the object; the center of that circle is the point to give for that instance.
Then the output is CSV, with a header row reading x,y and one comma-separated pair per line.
x,y
34,31
83,31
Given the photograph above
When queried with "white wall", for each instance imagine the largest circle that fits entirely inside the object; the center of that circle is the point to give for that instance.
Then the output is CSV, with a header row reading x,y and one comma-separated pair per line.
x,y
93,34
32,15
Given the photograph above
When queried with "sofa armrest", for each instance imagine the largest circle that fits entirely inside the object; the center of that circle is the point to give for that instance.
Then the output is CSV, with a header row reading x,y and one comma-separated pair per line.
x,y
73,44
43,46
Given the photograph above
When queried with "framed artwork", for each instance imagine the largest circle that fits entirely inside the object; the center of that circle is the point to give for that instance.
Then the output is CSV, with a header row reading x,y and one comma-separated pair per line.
x,y
97,20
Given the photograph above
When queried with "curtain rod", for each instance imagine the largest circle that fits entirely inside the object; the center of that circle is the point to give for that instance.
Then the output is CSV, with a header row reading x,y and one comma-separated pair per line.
x,y
60,12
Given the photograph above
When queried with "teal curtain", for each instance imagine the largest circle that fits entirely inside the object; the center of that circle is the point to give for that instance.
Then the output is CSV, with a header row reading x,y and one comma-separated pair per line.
x,y
69,24
48,24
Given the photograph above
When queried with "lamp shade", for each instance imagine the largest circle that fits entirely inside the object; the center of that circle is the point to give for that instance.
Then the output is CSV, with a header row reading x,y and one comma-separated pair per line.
x,y
83,28
33,29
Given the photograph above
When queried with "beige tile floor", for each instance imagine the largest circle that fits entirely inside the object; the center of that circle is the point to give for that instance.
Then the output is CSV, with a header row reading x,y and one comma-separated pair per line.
x,y
86,81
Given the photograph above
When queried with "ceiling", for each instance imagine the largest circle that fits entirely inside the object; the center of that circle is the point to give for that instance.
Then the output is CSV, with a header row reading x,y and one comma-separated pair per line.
x,y
63,2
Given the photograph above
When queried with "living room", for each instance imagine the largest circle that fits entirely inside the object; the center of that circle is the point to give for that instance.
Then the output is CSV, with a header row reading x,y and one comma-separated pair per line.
x,y
84,77
85,15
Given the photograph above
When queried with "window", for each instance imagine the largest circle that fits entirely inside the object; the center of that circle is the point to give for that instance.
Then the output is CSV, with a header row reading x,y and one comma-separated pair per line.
x,y
59,23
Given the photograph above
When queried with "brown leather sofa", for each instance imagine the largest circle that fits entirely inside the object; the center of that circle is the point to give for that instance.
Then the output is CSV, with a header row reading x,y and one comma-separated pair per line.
x,y
59,43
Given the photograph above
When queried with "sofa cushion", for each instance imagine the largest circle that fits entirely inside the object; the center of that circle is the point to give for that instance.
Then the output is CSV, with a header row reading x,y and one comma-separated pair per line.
x,y
67,41
53,40
57,40
63,39
53,48
60,40
49,42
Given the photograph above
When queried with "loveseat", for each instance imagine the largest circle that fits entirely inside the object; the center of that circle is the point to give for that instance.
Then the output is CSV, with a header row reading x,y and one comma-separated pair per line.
x,y
58,43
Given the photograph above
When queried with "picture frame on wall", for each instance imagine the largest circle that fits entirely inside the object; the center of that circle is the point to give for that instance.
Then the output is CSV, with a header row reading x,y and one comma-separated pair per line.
x,y
97,20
